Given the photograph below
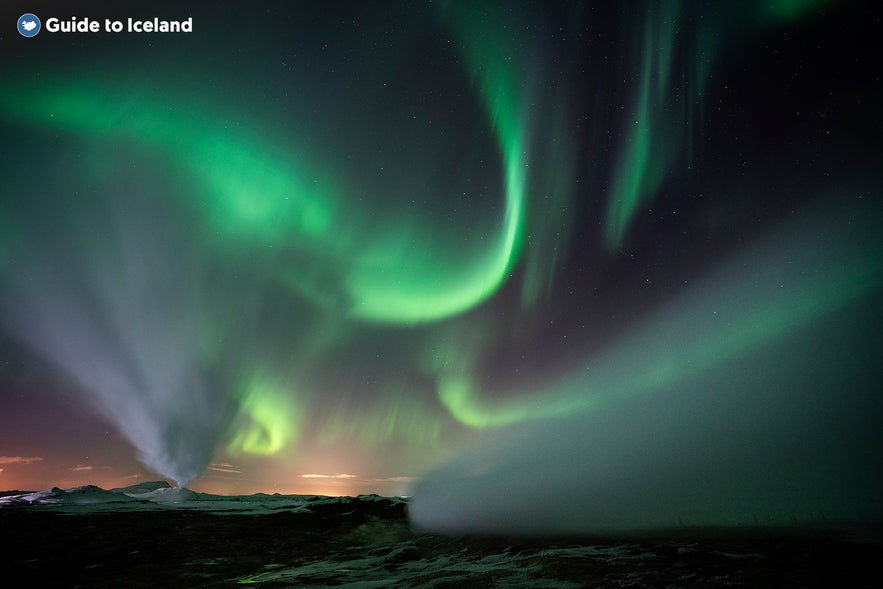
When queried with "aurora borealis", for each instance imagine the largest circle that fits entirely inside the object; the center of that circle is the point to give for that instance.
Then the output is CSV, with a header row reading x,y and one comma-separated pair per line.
x,y
306,246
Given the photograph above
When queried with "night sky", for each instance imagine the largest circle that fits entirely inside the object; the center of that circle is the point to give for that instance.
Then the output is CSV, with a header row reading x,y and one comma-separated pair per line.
x,y
349,247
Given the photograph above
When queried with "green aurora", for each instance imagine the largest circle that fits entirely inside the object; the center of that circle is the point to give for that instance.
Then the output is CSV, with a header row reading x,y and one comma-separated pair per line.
x,y
382,319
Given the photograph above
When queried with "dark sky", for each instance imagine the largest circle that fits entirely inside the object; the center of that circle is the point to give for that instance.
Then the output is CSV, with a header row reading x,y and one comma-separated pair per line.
x,y
331,246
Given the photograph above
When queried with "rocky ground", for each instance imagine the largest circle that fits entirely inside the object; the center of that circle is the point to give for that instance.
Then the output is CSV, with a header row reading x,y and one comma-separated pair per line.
x,y
357,543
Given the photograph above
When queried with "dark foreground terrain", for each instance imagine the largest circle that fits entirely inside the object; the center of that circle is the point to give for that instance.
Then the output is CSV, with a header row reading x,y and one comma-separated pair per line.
x,y
357,543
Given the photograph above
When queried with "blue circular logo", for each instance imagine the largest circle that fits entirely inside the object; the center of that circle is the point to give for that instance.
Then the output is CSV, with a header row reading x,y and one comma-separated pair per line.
x,y
28,25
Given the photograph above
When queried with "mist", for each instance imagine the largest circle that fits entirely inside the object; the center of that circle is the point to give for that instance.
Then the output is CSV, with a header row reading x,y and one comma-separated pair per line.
x,y
107,291
751,398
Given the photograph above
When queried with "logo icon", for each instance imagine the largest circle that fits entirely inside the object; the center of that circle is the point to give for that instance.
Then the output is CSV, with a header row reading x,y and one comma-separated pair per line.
x,y
28,25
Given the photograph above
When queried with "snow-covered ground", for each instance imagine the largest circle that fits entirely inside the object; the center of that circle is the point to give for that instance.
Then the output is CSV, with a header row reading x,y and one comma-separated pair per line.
x,y
161,495
154,534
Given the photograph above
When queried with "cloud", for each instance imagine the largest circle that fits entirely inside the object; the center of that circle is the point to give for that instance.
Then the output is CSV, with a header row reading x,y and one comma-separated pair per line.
x,y
19,459
82,468
328,476
224,467
399,479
